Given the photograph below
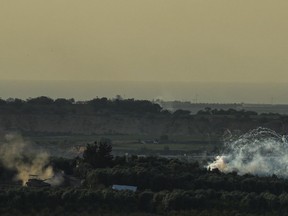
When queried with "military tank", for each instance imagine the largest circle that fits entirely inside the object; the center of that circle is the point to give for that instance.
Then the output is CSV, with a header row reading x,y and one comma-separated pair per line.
x,y
34,181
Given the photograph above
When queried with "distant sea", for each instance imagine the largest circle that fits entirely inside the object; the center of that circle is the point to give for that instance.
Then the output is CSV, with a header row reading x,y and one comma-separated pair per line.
x,y
198,92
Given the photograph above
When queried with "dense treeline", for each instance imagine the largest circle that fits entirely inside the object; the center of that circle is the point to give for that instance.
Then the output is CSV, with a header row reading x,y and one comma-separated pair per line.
x,y
59,200
209,111
118,105
102,116
159,174
165,187
66,106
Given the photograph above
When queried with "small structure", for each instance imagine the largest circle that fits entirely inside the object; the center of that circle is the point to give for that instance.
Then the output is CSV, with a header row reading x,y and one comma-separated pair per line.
x,y
154,141
124,187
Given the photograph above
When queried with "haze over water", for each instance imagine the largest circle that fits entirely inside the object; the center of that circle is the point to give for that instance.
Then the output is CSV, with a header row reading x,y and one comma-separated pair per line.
x,y
149,42
201,92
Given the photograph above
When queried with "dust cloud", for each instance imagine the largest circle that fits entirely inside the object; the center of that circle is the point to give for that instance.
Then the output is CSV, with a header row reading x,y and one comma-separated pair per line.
x,y
18,154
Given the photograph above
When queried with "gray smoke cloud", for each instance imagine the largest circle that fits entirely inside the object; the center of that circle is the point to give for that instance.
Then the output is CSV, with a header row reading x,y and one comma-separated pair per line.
x,y
17,154
260,152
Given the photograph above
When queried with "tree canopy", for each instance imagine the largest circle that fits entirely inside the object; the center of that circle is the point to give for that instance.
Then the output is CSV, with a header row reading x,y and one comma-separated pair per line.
x,y
98,155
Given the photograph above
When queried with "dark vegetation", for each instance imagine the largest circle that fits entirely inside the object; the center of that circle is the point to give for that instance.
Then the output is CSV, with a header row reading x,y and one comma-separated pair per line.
x,y
102,116
118,105
67,106
165,187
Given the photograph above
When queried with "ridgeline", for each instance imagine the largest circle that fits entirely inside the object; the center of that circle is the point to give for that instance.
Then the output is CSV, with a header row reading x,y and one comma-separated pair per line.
x,y
102,116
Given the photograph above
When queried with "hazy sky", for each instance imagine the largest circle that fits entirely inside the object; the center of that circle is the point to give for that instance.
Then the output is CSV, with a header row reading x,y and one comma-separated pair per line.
x,y
161,40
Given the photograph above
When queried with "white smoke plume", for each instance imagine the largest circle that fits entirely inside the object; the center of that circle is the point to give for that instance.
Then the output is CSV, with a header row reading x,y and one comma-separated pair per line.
x,y
260,152
17,154
57,179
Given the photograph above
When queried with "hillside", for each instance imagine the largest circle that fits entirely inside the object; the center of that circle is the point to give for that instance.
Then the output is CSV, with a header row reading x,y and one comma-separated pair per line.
x,y
126,117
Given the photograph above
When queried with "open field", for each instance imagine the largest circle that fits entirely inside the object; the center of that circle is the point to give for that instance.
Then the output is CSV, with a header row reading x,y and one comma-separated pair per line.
x,y
165,147
71,146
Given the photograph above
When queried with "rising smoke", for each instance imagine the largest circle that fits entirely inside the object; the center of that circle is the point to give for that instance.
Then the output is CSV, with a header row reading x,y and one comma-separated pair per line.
x,y
260,152
17,154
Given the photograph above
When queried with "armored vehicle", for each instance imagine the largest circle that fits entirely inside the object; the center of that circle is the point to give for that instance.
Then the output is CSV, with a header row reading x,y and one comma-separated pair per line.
x,y
35,182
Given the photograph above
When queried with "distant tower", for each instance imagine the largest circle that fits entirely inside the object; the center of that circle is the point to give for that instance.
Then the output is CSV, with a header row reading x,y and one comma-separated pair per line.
x,y
195,100
127,157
